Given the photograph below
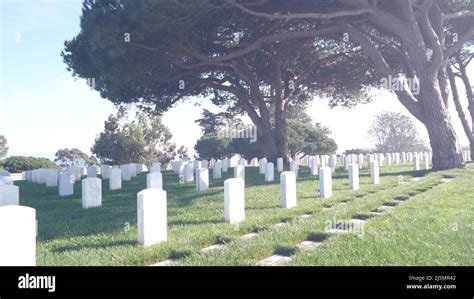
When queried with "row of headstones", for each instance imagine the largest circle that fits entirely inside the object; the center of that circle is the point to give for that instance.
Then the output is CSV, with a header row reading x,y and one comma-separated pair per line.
x,y
187,170
152,203
20,243
383,159
91,186
92,189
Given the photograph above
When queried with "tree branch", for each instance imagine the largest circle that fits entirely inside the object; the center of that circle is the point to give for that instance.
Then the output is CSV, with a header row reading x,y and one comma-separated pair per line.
x,y
459,44
299,16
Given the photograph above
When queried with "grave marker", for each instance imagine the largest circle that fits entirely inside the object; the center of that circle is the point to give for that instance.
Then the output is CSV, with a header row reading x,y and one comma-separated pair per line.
x,y
91,193
152,216
234,200
202,179
17,236
325,182
288,189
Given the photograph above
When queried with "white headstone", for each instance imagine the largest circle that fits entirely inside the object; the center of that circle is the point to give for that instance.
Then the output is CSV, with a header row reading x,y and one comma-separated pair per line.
x,y
332,163
270,173
239,172
181,169
288,189
322,161
205,164
77,171
416,163
126,172
217,170
374,172
225,165
354,176
155,167
17,236
189,173
234,200
202,179
360,160
4,173
9,195
92,171
197,164
380,159
51,177
91,193
140,168
41,176
426,161
280,164
105,171
66,183
294,167
133,170
262,165
154,180
313,166
152,216
325,182
234,161
115,181
254,162
6,180
347,161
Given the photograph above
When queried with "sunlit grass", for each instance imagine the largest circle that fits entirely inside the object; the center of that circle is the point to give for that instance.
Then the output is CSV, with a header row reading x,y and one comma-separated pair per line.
x,y
415,232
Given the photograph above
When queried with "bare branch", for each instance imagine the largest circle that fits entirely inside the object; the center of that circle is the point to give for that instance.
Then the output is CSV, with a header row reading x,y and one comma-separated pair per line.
x,y
299,16
257,44
405,96
459,44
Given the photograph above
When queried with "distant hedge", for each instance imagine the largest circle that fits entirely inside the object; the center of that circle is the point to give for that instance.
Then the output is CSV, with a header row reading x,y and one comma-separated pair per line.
x,y
17,164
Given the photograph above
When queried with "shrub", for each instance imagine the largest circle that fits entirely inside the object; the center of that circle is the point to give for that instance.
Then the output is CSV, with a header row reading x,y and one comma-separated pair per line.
x,y
17,164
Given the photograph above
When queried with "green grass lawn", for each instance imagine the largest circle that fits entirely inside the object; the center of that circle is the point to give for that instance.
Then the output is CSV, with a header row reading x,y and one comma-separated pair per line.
x,y
433,226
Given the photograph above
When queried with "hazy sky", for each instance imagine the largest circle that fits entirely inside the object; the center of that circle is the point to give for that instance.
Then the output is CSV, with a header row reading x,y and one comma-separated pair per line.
x,y
43,109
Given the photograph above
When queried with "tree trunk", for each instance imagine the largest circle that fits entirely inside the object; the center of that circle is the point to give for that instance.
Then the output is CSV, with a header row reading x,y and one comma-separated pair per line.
x,y
266,141
470,99
462,116
281,132
446,150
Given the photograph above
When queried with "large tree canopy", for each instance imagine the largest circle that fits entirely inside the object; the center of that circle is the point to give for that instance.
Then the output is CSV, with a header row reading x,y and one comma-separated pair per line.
x,y
251,54
406,38
155,53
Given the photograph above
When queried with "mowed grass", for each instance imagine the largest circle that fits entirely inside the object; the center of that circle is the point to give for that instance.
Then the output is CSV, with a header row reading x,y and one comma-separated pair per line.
x,y
433,226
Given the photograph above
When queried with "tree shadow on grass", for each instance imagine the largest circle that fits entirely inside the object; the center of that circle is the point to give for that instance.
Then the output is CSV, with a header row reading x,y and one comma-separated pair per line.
x,y
93,246
195,222
413,173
